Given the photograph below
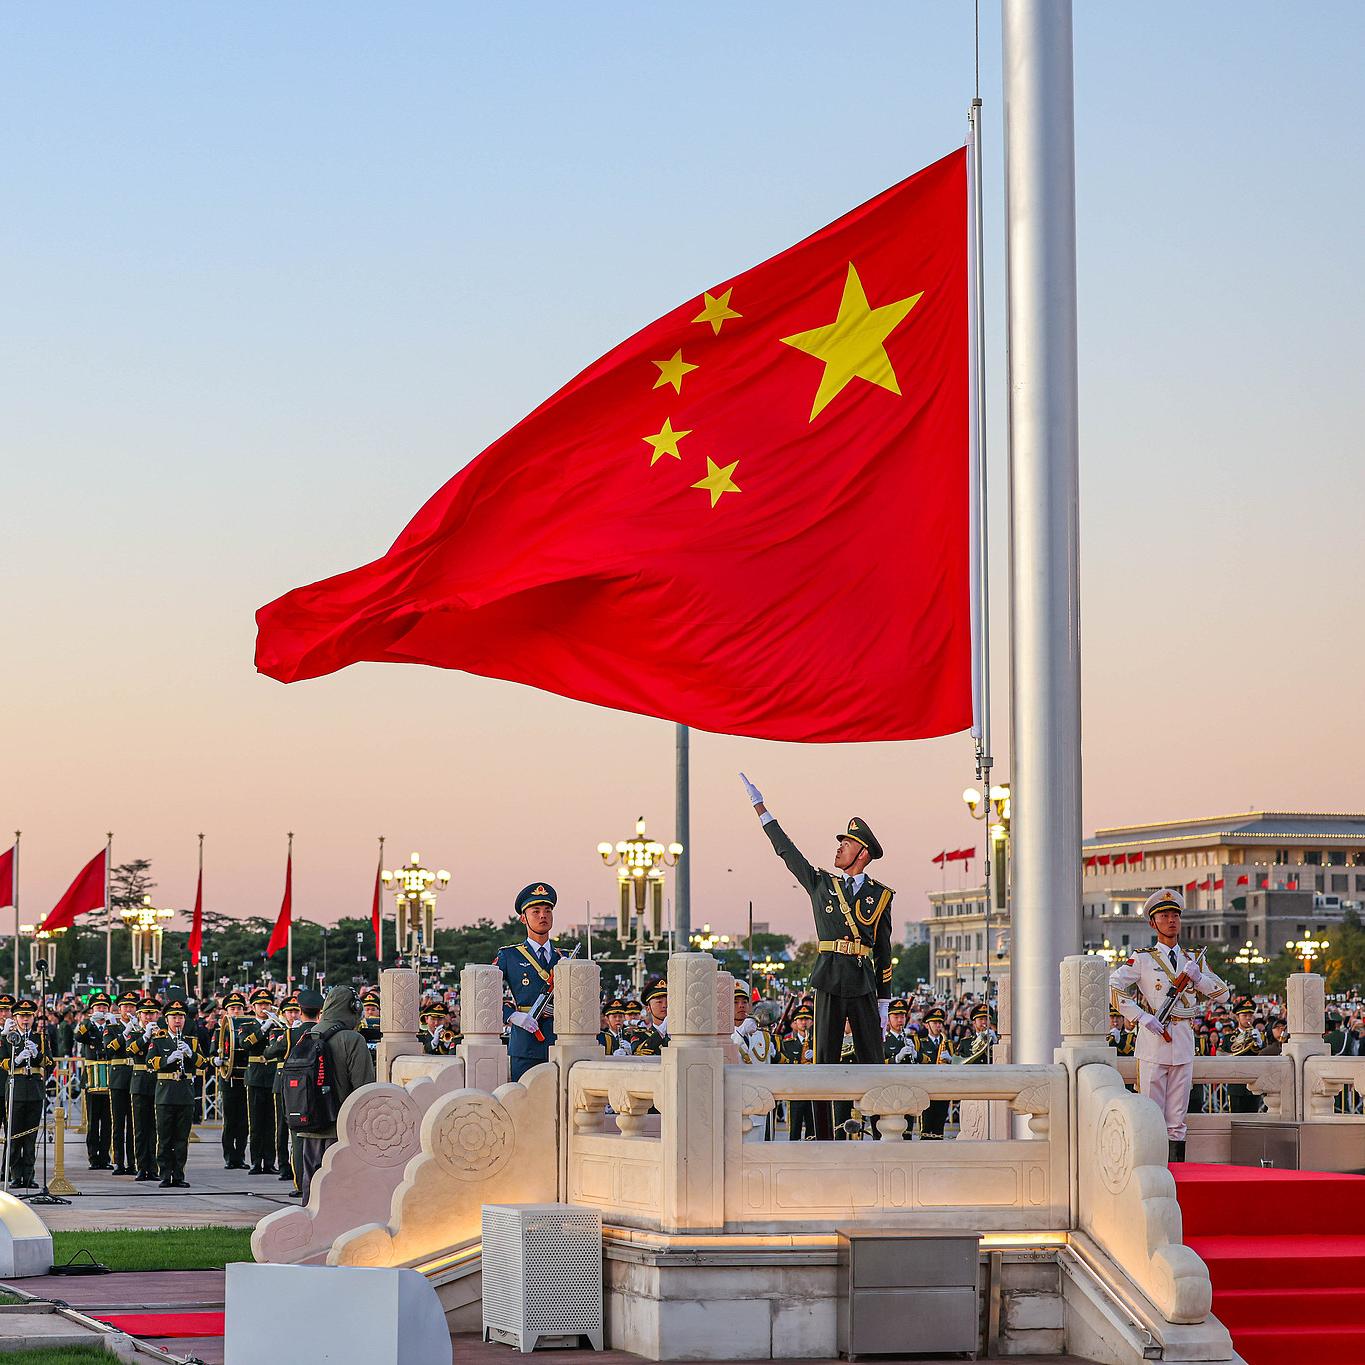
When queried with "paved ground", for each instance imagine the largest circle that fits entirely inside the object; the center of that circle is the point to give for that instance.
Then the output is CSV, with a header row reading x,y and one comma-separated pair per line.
x,y
216,1198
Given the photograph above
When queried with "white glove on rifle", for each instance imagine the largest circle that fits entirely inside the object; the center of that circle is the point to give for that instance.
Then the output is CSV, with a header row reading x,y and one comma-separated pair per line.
x,y
1152,1023
523,1021
755,796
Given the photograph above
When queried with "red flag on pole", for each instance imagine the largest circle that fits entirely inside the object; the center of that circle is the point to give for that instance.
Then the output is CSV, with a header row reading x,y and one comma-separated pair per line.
x,y
374,908
1244,880
962,855
279,936
1135,857
7,886
1190,886
675,532
1103,860
86,893
1218,885
197,927
939,859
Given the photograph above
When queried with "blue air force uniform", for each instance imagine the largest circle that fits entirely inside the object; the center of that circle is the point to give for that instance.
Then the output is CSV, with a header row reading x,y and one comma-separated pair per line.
x,y
526,969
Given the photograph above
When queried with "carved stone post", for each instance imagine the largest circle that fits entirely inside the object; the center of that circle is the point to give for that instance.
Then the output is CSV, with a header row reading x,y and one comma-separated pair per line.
x,y
692,1095
725,1015
399,990
1085,1024
578,1017
1307,1001
481,1046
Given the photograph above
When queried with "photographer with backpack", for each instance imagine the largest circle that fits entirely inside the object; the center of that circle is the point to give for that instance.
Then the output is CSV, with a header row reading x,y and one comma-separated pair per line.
x,y
330,1061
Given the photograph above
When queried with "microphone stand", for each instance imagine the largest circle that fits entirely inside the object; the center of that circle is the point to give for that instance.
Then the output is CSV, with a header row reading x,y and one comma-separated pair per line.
x,y
45,1195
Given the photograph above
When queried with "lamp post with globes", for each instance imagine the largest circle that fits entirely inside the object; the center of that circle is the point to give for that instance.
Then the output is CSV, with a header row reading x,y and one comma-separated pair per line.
x,y
1248,957
994,808
640,863
146,924
415,889
1307,950
42,947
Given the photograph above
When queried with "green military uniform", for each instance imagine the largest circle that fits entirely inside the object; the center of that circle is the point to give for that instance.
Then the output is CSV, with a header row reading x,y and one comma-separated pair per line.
x,y
646,1039
436,1038
898,1047
89,1041
977,1046
116,1037
613,1037
276,1050
24,1058
142,1091
369,1028
794,1050
7,1003
933,1052
175,1060
1247,1042
260,1083
232,1090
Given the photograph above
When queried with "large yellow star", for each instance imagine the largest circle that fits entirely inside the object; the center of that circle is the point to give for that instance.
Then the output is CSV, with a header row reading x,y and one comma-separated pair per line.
x,y
853,345
671,371
666,442
717,310
718,480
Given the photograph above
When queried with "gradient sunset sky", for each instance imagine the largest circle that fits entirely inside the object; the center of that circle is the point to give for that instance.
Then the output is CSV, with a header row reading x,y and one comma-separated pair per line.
x,y
274,273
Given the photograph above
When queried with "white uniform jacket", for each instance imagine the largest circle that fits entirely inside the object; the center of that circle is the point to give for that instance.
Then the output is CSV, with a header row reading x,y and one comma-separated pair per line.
x,y
1143,984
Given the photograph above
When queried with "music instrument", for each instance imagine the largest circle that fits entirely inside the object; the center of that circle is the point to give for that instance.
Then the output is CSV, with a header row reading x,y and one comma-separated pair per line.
x,y
227,1048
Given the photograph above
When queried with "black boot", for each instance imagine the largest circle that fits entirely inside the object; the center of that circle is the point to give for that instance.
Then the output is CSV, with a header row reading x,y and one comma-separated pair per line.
x,y
1175,1151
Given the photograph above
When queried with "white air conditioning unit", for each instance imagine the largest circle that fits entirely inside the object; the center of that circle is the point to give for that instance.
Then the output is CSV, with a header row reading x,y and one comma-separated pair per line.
x,y
542,1274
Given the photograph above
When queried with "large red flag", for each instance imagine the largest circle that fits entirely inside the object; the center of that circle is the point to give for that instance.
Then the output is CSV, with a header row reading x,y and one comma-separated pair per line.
x,y
86,893
279,935
750,517
8,890
197,927
375,907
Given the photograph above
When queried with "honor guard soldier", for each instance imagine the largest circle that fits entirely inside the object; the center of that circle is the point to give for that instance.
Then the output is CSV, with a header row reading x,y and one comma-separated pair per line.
x,y
612,1037
276,1050
526,971
1146,984
932,1049
116,1035
369,1028
650,1036
26,1063
7,1026
1246,1042
175,1060
977,1051
142,1088
899,1045
89,1039
231,1066
798,1050
260,1080
852,976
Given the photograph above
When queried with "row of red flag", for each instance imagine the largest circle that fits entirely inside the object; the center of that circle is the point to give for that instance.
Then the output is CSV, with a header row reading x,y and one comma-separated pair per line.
x,y
90,891
1115,860
954,855
1208,884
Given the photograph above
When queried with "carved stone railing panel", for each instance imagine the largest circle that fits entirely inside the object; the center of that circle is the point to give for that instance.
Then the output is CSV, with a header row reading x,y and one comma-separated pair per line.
x,y
481,1001
1126,1195
577,1001
1324,1078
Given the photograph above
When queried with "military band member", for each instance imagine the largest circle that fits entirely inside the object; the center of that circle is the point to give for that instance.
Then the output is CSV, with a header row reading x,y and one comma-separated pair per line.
x,y
175,1060
526,971
649,1037
852,976
260,1028
276,1050
232,1087
933,1049
612,1036
119,1030
369,1028
756,1045
142,1088
7,1026
1122,1036
1248,1041
1145,983
26,1062
436,1034
798,1050
89,1042
976,1051
899,1044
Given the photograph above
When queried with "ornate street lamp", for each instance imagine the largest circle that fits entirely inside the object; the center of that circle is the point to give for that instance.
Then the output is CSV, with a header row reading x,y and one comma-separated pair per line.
x,y
640,881
1248,956
995,809
1307,950
146,923
1108,952
415,889
42,947
704,941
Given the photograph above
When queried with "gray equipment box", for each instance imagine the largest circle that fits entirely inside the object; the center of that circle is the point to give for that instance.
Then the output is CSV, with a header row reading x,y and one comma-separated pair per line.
x,y
1294,1145
904,1293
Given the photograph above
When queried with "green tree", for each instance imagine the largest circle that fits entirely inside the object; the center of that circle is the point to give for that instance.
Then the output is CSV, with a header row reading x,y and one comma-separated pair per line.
x,y
912,968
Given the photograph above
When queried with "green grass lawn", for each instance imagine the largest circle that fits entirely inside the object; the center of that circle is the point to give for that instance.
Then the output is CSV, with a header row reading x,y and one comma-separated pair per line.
x,y
59,1355
155,1249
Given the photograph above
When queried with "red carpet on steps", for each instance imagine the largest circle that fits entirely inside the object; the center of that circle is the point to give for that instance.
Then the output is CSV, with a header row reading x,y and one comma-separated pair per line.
x,y
166,1324
1286,1253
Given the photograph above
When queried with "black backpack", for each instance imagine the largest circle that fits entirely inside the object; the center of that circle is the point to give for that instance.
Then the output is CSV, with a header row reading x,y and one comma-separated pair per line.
x,y
310,1100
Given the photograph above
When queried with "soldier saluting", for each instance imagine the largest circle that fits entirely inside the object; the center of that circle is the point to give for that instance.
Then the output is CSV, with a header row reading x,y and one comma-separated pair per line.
x,y
852,976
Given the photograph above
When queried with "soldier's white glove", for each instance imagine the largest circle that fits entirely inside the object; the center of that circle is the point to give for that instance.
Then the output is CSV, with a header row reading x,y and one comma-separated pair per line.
x,y
29,1051
622,1050
908,1051
130,1028
217,1061
522,1021
883,1012
149,1029
755,796
1154,1025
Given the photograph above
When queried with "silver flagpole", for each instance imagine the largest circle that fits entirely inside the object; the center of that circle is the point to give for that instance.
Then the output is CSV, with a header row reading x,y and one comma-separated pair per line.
x,y
1045,648
109,911
682,912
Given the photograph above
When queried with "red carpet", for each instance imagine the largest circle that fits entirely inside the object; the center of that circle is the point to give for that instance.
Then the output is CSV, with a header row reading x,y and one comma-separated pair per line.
x,y
166,1324
1286,1253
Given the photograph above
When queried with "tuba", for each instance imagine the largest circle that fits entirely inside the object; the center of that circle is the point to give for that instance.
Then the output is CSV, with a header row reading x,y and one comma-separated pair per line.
x,y
227,1047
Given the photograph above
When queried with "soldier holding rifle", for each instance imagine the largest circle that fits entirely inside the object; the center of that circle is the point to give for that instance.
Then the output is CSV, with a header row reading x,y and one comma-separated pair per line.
x,y
527,968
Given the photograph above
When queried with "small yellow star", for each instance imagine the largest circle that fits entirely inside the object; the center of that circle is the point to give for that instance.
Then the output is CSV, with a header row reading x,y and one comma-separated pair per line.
x,y
853,345
666,442
718,480
717,310
672,371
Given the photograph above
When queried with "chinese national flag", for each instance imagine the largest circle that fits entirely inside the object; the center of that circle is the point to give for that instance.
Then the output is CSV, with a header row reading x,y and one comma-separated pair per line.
x,y
939,858
374,912
750,517
1219,884
86,893
7,887
1243,880
197,924
279,935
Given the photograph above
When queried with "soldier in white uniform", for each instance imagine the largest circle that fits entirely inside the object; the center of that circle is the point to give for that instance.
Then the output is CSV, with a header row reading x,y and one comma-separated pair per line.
x,y
1144,983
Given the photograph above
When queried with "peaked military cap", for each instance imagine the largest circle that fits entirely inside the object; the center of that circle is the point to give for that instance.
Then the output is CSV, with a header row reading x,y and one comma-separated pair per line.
x,y
859,832
310,1000
6,1001
1165,899
538,893
261,996
99,998
26,1007
804,1012
982,1012
291,1002
742,991
433,1008
654,990
897,1006
616,1006
129,998
1244,1006
234,998
934,1015
369,996
175,1008
149,1002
